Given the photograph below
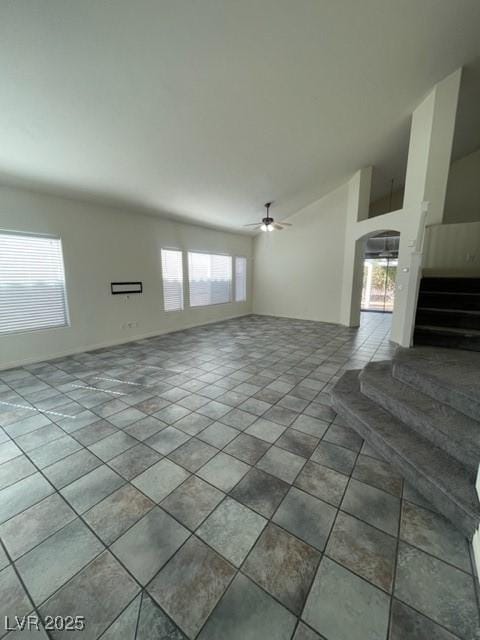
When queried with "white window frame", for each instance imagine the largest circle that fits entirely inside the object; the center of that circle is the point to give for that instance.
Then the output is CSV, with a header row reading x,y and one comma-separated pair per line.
x,y
182,262
244,299
209,253
47,327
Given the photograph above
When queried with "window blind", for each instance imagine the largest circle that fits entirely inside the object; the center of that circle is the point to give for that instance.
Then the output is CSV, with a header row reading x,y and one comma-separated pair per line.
x,y
172,272
210,279
240,279
32,283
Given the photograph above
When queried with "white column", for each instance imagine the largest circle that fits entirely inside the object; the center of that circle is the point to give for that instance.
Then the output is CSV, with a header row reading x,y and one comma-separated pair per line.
x,y
431,137
357,210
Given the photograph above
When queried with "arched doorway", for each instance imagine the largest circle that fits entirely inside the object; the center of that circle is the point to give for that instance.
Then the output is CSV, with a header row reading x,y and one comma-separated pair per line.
x,y
380,262
362,249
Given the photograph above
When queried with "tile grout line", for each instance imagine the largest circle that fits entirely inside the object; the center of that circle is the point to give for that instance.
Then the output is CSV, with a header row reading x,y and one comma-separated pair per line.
x,y
395,562
327,541
20,579
271,444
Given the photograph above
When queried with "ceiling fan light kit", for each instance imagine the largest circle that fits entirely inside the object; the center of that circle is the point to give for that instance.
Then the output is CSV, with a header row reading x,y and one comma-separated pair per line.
x,y
268,223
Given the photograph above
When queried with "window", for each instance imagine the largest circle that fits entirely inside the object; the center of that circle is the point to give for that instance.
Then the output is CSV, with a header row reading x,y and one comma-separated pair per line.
x,y
172,271
210,278
32,283
240,279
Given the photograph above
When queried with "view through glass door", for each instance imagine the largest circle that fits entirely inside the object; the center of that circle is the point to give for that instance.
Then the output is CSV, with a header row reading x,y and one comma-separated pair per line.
x,y
378,292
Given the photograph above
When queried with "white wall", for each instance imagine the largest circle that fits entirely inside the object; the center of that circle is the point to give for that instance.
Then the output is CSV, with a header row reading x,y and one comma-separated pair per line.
x,y
298,272
462,203
103,244
452,249
386,204
313,271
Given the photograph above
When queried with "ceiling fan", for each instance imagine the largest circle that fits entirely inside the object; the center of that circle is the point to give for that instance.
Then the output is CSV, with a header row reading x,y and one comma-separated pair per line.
x,y
268,223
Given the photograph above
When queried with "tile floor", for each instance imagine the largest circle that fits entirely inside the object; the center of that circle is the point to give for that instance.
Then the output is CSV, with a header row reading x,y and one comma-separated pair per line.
x,y
199,484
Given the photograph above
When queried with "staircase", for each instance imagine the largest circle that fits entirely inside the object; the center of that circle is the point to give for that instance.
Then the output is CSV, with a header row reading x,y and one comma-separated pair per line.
x,y
421,411
448,313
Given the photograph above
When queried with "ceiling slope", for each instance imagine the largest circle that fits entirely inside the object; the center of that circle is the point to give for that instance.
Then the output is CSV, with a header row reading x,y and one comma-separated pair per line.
x,y
206,110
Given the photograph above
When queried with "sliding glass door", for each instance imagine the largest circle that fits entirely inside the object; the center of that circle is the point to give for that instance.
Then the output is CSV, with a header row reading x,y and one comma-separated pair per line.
x,y
378,292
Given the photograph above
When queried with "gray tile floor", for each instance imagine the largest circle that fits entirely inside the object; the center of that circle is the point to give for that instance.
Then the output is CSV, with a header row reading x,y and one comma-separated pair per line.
x,y
199,484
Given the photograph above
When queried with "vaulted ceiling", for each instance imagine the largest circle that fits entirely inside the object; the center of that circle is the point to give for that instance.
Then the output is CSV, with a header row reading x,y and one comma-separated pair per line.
x,y
203,110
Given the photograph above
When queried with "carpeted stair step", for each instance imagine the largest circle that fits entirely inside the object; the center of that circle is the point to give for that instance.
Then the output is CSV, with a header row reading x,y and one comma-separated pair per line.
x,y
444,426
456,318
447,337
447,375
456,284
443,480
449,300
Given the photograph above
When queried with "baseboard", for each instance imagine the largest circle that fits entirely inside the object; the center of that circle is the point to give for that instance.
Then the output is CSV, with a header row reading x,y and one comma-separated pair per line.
x,y
102,345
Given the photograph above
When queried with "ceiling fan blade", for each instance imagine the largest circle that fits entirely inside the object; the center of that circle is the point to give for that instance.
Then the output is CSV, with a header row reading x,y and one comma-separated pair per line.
x,y
277,226
255,224
286,224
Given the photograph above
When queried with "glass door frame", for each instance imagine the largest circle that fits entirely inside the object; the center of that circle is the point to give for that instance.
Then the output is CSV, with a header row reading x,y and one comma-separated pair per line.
x,y
384,306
